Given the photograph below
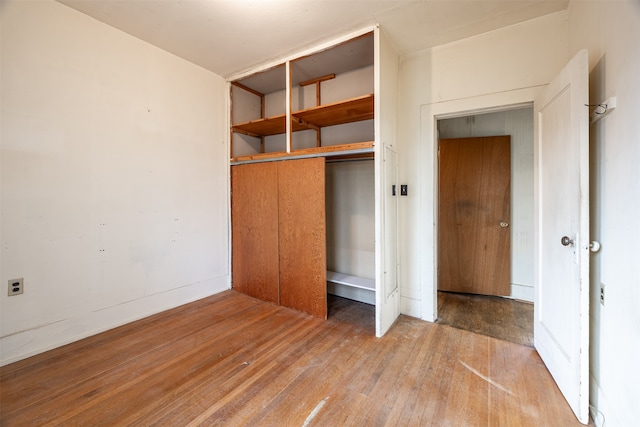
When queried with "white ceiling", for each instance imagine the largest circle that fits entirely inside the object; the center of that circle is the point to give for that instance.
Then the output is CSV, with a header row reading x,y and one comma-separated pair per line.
x,y
232,36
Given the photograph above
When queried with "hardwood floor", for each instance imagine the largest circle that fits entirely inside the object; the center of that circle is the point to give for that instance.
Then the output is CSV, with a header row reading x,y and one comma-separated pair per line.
x,y
233,360
501,318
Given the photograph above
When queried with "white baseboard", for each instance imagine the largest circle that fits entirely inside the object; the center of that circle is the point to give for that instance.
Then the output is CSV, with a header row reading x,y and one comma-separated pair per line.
x,y
522,292
410,307
28,343
603,412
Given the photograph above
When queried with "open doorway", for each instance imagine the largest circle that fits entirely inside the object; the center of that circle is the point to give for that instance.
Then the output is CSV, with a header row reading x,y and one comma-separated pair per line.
x,y
475,307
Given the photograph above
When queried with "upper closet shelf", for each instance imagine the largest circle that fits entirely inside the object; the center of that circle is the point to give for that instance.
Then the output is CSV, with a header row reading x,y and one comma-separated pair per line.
x,y
337,113
265,127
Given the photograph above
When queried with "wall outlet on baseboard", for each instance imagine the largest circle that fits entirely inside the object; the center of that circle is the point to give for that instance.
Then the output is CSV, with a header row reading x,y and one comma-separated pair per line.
x,y
602,293
16,286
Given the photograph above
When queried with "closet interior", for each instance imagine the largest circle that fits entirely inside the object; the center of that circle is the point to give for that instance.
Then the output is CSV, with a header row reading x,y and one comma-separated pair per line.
x,y
303,178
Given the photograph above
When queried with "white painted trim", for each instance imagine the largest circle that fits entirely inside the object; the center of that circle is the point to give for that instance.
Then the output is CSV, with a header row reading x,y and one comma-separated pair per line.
x,y
601,411
229,140
429,114
287,102
378,178
522,292
410,307
27,343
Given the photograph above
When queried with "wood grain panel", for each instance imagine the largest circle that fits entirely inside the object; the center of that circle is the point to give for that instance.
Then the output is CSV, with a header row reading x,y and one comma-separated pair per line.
x,y
233,360
474,254
337,113
267,126
254,227
302,225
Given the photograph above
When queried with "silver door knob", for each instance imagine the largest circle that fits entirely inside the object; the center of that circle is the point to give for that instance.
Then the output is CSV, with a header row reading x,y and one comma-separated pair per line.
x,y
566,241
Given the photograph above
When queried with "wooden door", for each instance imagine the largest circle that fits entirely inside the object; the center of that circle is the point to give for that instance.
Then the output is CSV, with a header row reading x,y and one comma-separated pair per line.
x,y
561,278
302,233
254,228
473,215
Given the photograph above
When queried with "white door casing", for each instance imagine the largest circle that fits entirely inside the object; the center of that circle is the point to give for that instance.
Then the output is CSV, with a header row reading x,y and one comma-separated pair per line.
x,y
428,194
561,194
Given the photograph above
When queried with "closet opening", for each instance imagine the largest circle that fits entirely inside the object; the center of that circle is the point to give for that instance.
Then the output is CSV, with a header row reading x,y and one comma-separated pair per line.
x,y
350,225
485,223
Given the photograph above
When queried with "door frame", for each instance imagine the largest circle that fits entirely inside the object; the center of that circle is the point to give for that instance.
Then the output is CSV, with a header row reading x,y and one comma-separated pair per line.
x,y
429,173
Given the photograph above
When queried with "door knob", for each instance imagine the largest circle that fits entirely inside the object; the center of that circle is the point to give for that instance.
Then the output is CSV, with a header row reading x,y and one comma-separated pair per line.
x,y
504,224
566,241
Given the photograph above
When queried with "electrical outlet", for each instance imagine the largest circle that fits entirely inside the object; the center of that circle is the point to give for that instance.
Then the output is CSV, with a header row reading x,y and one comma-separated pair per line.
x,y
602,293
16,286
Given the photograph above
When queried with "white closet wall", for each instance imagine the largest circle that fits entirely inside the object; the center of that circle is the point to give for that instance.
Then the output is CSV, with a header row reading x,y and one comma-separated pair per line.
x,y
350,218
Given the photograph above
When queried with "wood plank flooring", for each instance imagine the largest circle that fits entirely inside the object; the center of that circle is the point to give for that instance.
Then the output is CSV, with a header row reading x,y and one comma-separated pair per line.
x,y
497,317
233,360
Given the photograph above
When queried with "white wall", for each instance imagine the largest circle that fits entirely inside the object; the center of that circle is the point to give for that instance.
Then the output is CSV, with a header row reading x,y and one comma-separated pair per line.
x,y
114,178
518,124
350,203
611,32
499,68
510,65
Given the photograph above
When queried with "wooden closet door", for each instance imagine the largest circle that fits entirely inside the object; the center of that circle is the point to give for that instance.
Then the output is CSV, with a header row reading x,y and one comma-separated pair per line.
x,y
254,228
302,228
474,254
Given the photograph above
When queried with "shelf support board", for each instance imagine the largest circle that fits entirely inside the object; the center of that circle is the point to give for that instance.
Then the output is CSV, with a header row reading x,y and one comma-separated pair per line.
x,y
305,123
248,89
317,80
246,132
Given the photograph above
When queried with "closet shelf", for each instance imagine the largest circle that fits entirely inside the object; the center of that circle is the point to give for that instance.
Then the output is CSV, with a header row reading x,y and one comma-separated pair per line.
x,y
337,113
353,281
328,150
274,125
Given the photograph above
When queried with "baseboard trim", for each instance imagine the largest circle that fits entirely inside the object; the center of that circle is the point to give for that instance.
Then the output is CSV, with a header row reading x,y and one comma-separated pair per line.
x,y
34,341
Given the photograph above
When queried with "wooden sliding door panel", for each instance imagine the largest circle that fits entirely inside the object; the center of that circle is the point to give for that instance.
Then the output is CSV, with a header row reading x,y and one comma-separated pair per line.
x,y
254,228
302,229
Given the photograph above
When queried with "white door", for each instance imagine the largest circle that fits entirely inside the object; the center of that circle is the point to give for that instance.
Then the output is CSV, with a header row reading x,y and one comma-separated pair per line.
x,y
561,156
385,107
387,295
